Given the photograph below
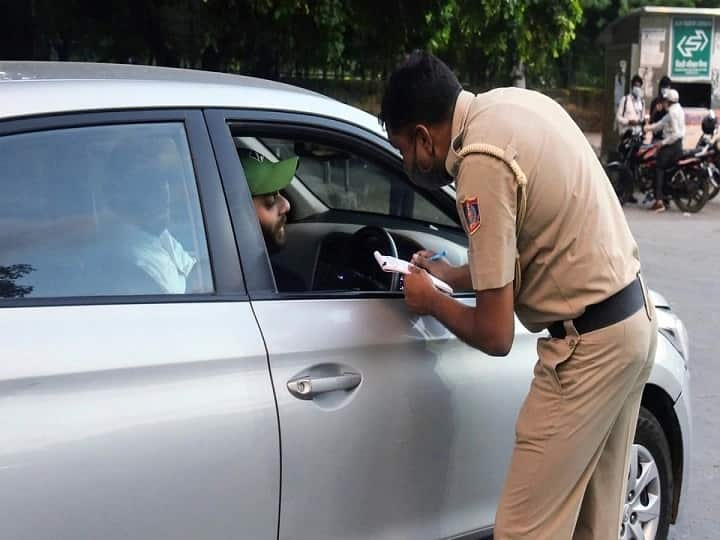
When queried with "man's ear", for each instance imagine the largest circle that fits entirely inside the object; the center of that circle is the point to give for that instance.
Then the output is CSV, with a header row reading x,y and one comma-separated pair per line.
x,y
422,134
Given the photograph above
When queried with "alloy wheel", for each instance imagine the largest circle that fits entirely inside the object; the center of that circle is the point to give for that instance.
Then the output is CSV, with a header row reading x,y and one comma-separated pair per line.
x,y
641,511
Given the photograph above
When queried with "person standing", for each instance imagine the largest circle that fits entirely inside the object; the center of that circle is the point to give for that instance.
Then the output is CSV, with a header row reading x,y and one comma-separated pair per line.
x,y
547,239
631,109
657,107
672,126
630,117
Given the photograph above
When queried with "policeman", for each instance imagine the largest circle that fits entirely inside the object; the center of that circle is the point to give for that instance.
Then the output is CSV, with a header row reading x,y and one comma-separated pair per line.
x,y
548,241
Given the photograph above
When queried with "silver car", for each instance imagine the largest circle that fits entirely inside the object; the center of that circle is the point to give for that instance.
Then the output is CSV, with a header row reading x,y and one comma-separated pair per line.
x,y
165,375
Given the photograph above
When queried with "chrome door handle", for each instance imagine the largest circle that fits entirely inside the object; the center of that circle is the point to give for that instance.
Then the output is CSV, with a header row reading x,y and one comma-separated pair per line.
x,y
309,387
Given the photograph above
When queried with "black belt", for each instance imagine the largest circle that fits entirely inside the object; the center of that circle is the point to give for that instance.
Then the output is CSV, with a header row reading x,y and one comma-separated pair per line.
x,y
608,312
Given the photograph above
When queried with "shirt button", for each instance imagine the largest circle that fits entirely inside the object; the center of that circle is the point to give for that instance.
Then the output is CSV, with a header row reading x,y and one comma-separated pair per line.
x,y
572,343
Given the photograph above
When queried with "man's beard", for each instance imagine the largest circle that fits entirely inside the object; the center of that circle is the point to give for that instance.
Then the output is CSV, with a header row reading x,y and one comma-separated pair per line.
x,y
276,238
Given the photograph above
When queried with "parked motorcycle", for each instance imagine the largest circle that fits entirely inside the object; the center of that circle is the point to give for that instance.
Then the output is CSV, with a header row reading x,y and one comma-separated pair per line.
x,y
709,151
687,182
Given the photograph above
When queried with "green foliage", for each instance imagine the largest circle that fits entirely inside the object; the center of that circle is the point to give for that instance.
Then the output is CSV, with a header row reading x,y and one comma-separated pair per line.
x,y
484,40
487,38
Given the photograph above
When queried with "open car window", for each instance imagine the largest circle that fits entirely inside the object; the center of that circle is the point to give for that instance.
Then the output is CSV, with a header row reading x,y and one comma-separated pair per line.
x,y
346,181
339,207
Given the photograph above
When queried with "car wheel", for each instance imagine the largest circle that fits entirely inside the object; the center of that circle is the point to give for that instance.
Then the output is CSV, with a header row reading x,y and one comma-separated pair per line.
x,y
648,499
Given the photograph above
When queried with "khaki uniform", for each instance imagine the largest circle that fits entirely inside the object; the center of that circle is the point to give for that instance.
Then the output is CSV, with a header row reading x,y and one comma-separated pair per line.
x,y
568,247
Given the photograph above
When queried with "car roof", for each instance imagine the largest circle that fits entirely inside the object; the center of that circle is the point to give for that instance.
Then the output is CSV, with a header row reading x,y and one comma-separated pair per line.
x,y
36,88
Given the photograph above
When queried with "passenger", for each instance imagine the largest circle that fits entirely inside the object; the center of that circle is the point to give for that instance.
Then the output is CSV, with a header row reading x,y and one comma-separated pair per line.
x,y
137,195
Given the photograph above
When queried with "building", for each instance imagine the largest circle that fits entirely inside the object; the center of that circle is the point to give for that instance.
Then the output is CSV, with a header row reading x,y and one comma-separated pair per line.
x,y
655,41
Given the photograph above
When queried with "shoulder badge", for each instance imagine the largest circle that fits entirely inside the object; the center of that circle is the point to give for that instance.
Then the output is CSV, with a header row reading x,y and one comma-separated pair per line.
x,y
471,210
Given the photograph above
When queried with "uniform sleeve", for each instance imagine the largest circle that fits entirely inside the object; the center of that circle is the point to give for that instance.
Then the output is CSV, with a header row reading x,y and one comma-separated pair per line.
x,y
487,200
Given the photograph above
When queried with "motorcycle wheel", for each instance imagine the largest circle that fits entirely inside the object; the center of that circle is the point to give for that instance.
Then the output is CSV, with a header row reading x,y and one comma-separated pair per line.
x,y
621,179
690,191
713,182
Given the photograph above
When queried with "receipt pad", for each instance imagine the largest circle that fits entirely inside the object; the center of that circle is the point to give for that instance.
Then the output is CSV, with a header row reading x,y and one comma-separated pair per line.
x,y
392,264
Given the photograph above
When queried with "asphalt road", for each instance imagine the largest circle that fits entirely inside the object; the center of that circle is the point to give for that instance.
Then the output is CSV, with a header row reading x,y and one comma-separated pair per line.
x,y
681,259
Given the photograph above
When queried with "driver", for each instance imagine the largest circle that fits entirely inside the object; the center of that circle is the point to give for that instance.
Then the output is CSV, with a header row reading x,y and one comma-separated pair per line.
x,y
266,179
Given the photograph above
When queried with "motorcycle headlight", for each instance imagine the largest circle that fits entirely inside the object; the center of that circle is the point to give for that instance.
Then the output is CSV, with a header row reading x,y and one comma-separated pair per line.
x,y
670,326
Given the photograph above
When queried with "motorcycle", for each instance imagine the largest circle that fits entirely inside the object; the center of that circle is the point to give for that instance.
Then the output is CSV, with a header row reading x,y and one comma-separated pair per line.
x,y
687,182
709,148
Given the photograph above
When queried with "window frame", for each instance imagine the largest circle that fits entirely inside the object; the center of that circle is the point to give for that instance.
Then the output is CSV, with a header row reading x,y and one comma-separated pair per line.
x,y
223,255
259,278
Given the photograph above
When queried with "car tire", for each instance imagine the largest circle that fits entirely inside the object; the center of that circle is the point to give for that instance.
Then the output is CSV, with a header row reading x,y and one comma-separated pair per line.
x,y
651,462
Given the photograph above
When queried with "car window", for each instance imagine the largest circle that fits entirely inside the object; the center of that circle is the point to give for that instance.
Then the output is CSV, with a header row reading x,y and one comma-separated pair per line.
x,y
101,210
335,252
351,182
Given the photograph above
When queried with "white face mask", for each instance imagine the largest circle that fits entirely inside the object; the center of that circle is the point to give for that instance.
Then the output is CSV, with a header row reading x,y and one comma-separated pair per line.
x,y
637,91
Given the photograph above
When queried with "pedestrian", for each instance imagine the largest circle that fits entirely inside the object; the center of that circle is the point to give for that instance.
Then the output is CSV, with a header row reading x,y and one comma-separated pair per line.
x,y
657,109
547,240
630,113
672,127
630,117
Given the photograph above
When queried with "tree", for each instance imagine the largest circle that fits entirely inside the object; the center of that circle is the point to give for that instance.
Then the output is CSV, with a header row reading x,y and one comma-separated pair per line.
x,y
489,38
483,39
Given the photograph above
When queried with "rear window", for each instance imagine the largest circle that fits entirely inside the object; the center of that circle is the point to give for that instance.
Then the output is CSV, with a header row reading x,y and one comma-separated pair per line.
x,y
102,210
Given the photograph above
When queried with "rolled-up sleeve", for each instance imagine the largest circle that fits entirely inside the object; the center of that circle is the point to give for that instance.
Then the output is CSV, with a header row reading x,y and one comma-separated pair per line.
x,y
487,201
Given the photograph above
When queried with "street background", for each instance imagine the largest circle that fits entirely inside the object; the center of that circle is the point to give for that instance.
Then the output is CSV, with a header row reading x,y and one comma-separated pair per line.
x,y
681,259
345,49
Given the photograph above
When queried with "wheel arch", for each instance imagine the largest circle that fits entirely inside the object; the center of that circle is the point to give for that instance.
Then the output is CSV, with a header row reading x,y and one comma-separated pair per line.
x,y
659,403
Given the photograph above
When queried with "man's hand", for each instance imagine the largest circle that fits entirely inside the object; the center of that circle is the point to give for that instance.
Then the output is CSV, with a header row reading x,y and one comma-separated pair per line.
x,y
458,277
439,268
420,293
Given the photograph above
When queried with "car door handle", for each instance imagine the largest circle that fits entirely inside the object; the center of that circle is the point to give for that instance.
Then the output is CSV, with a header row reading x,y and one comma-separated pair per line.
x,y
308,387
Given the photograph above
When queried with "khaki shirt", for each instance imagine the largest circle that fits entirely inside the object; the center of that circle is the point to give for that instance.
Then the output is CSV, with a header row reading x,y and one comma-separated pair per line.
x,y
575,246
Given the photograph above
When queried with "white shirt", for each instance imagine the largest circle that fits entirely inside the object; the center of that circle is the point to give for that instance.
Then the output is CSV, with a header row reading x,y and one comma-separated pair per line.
x,y
162,257
630,109
672,124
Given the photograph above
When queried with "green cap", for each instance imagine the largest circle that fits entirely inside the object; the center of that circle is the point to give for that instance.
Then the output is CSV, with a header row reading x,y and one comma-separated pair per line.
x,y
264,176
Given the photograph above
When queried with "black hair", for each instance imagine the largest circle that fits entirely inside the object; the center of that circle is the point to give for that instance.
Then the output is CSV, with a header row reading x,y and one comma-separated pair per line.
x,y
637,79
421,90
665,82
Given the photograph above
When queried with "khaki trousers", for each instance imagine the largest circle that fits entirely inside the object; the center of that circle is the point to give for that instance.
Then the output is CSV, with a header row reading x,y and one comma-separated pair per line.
x,y
568,472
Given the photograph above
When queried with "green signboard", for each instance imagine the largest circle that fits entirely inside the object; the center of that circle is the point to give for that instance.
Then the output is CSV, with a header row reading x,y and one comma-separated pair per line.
x,y
691,46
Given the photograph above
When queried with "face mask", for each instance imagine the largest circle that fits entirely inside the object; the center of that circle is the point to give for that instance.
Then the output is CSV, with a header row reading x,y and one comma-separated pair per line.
x,y
637,91
433,178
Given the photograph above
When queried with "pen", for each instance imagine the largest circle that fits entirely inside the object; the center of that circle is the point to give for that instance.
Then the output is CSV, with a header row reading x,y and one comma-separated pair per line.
x,y
438,256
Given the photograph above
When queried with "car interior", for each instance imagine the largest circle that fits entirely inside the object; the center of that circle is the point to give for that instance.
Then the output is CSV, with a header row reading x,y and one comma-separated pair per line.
x,y
344,207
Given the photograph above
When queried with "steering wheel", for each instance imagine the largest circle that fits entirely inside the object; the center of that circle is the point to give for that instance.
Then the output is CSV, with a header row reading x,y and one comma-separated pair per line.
x,y
362,246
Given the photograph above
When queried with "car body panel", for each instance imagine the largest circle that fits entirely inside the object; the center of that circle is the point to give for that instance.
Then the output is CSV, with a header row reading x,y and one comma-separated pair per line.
x,y
418,450
683,411
669,371
136,421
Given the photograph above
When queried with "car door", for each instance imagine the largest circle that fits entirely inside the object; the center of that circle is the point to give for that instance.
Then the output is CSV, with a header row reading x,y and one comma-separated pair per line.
x,y
390,426
135,397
